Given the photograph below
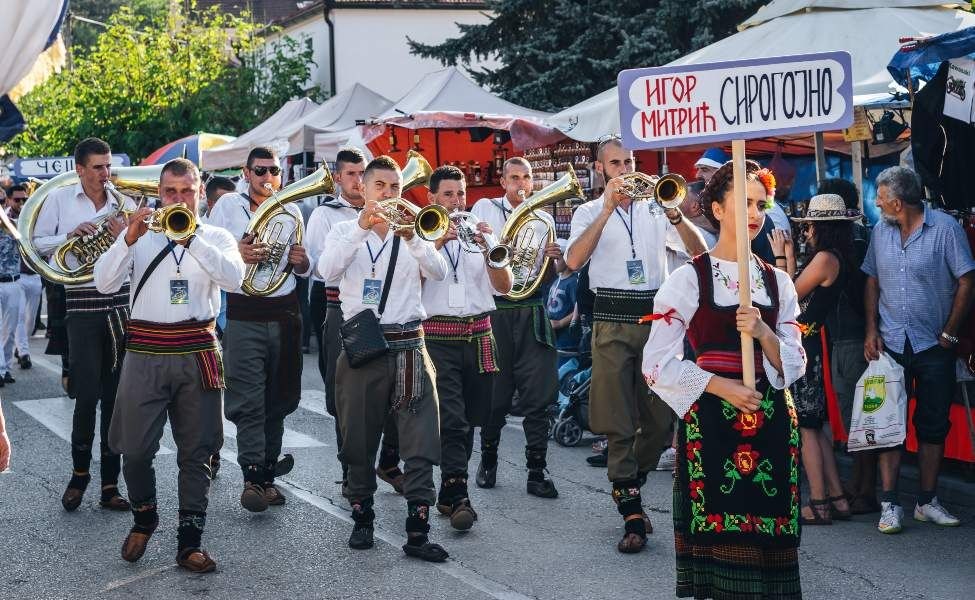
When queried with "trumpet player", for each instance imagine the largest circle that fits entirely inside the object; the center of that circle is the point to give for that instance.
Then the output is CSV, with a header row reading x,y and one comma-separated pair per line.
x,y
625,244
380,273
461,344
95,321
173,360
262,341
527,356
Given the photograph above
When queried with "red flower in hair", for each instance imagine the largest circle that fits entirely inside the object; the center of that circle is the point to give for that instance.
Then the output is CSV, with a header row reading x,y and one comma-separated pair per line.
x,y
768,181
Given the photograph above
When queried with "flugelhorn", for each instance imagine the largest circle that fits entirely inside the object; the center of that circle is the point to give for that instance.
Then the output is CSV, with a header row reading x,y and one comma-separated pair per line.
x,y
74,260
526,245
496,254
667,190
430,222
273,225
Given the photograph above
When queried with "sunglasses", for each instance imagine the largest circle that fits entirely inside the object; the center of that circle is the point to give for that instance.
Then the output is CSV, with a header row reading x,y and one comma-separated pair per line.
x,y
262,171
19,200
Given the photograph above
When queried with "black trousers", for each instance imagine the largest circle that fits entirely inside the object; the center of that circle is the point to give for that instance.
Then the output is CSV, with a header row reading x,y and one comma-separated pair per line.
x,y
316,321
92,381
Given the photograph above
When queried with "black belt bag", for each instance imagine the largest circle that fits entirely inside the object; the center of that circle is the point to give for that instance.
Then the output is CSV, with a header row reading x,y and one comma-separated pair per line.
x,y
362,335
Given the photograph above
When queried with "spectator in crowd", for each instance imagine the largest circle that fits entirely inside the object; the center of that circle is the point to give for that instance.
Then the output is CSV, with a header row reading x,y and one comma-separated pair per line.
x,y
216,187
831,258
919,288
691,207
11,296
709,163
562,312
845,330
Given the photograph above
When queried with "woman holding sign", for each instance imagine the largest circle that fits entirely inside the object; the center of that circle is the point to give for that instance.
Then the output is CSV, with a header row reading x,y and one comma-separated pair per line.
x,y
736,495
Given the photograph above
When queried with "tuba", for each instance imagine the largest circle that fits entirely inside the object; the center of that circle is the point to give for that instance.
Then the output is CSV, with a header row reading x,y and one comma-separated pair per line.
x,y
525,246
416,171
273,225
83,251
668,191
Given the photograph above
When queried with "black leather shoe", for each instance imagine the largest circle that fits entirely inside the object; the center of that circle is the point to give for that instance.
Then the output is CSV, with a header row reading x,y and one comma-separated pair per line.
x,y
25,362
542,489
486,478
8,379
361,538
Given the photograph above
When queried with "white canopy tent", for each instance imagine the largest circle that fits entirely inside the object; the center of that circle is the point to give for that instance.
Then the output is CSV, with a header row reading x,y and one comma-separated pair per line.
x,y
339,113
868,29
274,132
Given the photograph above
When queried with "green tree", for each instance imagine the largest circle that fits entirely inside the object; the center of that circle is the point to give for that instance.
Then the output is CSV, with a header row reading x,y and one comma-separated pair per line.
x,y
146,82
84,35
555,53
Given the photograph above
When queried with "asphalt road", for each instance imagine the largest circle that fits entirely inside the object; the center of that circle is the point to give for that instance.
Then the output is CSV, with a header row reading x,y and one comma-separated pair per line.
x,y
522,547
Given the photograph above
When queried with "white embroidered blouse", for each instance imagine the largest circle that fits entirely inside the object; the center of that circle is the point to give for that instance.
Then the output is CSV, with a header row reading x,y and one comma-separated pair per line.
x,y
681,382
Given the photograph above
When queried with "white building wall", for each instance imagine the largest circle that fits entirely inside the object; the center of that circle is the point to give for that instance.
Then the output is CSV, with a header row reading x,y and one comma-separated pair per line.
x,y
371,46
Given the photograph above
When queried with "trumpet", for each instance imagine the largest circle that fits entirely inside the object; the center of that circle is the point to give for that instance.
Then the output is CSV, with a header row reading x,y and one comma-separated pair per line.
x,y
496,254
177,221
668,190
430,222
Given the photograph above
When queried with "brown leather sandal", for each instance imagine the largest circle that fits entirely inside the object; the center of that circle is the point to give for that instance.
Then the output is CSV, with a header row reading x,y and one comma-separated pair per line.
x,y
116,501
196,560
837,514
820,513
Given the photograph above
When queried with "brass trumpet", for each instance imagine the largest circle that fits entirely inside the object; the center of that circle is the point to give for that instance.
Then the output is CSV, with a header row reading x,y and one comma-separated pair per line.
x,y
176,221
668,190
430,222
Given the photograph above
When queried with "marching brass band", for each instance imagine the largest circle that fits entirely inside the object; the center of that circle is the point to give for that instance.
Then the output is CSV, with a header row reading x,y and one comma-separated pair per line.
x,y
431,323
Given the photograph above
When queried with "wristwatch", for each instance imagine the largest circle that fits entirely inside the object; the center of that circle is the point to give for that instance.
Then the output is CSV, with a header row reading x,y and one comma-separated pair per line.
x,y
949,338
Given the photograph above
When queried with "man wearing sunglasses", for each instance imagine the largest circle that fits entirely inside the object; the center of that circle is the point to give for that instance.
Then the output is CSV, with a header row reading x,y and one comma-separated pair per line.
x,y
11,298
262,341
30,284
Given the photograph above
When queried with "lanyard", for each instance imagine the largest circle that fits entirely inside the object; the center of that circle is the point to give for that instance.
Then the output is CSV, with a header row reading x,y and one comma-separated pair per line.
x,y
628,225
453,262
375,258
172,250
246,213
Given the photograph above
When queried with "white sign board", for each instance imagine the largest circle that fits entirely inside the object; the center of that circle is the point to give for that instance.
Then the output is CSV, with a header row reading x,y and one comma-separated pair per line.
x,y
47,167
960,88
737,100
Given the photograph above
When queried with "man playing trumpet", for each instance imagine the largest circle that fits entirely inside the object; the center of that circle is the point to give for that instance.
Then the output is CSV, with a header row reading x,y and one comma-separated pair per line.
x,y
461,344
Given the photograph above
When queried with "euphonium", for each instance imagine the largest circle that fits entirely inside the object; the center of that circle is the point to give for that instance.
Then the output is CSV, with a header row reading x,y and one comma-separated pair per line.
x,y
524,244
176,221
430,222
416,171
74,260
668,191
497,255
273,225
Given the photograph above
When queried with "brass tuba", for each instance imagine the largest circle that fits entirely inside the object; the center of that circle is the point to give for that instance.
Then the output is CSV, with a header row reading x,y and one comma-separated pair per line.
x,y
273,225
84,250
416,171
667,190
525,245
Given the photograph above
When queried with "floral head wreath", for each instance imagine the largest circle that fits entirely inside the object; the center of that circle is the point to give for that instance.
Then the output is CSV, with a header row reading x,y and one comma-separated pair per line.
x,y
768,181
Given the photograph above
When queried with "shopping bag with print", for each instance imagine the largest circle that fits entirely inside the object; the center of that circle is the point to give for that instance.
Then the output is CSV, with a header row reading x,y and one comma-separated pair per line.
x,y
879,407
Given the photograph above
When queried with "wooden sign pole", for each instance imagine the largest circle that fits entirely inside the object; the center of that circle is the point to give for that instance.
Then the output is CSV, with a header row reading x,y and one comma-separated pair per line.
x,y
744,255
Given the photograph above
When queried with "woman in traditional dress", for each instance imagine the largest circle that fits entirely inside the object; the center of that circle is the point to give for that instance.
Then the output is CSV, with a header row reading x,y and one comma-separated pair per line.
x,y
736,495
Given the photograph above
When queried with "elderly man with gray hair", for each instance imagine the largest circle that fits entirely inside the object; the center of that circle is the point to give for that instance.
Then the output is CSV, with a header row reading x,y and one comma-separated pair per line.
x,y
920,274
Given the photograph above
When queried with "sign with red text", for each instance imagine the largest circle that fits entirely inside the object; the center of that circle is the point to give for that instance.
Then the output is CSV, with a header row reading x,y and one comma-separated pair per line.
x,y
744,99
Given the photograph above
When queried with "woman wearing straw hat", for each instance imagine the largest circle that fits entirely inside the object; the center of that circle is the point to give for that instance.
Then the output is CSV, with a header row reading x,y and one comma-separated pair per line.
x,y
831,263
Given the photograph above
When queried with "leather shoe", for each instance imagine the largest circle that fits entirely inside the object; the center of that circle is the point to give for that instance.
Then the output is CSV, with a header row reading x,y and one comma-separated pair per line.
x,y
25,362
462,515
253,498
486,478
542,489
71,499
274,496
195,560
8,378
393,477
361,538
116,502
134,545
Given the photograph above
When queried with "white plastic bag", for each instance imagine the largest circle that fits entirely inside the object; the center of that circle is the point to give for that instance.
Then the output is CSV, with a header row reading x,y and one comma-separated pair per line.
x,y
879,407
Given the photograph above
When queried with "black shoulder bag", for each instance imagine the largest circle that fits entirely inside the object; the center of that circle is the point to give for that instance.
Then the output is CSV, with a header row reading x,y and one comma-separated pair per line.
x,y
362,336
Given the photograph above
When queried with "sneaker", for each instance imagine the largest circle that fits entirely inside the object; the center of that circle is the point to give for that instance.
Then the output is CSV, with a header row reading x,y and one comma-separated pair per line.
x,y
933,512
668,460
891,516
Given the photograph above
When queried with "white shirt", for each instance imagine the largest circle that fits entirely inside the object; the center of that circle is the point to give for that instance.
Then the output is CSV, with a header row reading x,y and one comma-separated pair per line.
x,y
320,222
233,213
347,256
681,382
63,210
473,293
609,264
495,212
210,263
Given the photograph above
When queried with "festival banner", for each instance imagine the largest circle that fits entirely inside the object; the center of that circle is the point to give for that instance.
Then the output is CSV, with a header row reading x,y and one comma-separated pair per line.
x,y
736,100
